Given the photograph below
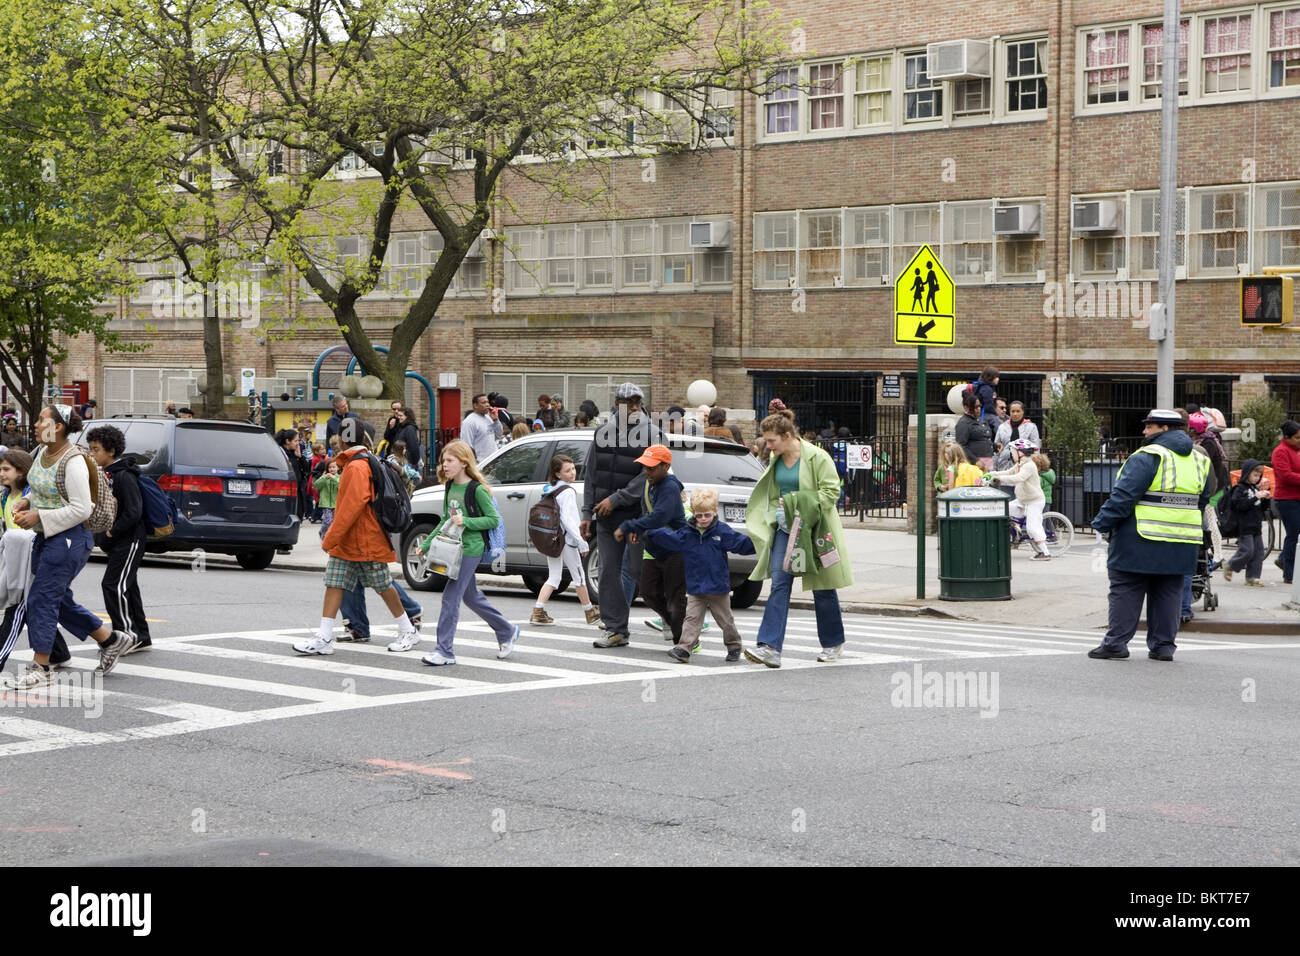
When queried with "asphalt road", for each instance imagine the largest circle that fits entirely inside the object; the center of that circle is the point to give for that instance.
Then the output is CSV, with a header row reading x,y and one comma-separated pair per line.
x,y
221,746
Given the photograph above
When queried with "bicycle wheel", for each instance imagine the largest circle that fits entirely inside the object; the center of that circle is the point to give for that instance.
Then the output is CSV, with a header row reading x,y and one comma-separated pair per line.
x,y
1060,532
1270,531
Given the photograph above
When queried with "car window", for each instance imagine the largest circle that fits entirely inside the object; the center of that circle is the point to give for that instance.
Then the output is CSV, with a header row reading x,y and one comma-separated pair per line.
x,y
143,439
210,445
575,449
517,463
717,466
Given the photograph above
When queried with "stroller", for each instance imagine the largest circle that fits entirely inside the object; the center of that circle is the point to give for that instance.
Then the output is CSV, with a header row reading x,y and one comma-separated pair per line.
x,y
1203,578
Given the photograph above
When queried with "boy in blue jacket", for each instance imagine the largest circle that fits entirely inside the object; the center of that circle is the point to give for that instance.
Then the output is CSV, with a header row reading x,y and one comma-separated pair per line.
x,y
703,545
663,582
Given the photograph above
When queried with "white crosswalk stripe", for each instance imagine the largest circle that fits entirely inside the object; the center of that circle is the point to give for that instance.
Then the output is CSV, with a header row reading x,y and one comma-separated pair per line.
x,y
248,677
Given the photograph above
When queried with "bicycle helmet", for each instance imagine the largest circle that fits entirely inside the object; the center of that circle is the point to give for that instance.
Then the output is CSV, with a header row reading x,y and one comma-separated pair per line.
x,y
1024,447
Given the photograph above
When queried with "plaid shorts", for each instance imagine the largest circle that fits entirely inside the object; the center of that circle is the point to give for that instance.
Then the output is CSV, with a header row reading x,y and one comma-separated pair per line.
x,y
346,574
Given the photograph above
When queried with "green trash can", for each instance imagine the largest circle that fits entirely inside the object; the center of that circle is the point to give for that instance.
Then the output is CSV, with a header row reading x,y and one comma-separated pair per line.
x,y
974,545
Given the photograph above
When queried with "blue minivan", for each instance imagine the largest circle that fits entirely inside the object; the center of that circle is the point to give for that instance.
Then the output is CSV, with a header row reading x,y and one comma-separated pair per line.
x,y
233,485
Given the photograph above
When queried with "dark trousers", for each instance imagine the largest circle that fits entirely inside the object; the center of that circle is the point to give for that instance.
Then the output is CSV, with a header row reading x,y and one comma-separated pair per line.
x,y
1163,594
122,588
57,561
1250,555
613,599
663,587
1289,511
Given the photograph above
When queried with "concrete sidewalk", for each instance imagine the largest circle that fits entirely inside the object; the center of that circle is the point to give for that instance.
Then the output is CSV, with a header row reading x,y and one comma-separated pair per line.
x,y
1069,591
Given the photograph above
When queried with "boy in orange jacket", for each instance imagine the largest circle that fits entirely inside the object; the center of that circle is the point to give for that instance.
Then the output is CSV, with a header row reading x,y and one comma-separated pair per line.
x,y
358,548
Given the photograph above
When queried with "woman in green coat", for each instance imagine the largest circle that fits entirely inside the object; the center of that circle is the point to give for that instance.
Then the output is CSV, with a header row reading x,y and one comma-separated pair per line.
x,y
809,473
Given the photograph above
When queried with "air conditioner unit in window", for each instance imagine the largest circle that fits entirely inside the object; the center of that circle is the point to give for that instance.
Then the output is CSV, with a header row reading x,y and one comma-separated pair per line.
x,y
711,235
1019,220
476,249
958,59
1098,215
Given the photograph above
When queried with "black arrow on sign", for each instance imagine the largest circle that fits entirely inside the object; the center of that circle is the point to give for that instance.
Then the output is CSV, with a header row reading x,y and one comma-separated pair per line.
x,y
922,329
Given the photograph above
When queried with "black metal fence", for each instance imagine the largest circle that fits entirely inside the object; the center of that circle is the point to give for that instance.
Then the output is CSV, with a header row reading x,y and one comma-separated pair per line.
x,y
880,489
1084,482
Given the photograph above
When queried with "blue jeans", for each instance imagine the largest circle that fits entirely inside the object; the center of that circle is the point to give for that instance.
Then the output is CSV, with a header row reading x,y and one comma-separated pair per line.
x,y
826,604
1290,514
1187,595
353,607
465,588
57,560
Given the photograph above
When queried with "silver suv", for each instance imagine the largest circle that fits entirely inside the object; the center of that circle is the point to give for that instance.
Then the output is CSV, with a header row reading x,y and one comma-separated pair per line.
x,y
517,472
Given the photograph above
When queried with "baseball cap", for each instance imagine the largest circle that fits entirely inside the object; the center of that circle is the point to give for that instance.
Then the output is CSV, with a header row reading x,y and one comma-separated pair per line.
x,y
656,455
629,390
1163,416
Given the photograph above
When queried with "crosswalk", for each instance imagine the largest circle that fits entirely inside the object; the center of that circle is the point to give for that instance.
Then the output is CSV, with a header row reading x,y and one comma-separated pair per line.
x,y
205,682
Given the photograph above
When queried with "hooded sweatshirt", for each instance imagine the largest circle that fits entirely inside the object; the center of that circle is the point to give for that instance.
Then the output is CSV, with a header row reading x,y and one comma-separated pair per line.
x,y
355,534
1247,503
124,475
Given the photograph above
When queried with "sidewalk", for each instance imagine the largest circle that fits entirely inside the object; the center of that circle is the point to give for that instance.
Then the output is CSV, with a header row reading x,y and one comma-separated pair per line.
x,y
1069,591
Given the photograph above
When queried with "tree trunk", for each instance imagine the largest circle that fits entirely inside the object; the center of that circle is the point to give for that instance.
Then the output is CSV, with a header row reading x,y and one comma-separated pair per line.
x,y
214,398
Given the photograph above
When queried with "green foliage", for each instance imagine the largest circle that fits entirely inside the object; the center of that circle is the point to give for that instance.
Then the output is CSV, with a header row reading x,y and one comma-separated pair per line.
x,y
1261,427
1071,425
63,224
316,134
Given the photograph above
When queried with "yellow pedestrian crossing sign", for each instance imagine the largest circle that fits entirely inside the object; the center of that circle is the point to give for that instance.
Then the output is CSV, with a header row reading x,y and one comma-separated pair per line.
x,y
924,302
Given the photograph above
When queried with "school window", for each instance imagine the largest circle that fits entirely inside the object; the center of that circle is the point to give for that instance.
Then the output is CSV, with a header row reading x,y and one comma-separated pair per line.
x,y
874,78
1153,54
774,245
1279,226
1026,84
1105,73
674,238
636,253
821,239
1100,255
405,272
597,256
969,249
868,252
781,103
1146,233
1219,231
559,257
970,97
1225,54
713,266
826,96
719,119
914,226
1284,48
470,275
1019,259
922,98
523,255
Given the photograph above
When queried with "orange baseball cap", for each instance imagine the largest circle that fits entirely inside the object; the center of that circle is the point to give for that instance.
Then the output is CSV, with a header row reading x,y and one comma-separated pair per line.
x,y
656,455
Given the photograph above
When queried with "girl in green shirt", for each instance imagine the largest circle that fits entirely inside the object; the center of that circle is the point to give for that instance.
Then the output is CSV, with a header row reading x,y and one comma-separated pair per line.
x,y
327,495
456,470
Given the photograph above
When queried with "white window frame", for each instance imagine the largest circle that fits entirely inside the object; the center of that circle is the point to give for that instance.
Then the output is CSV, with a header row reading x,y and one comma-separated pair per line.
x,y
1002,78
1200,232
782,257
788,92
1139,237
1240,92
1264,231
861,93
920,122
963,216
1118,239
1139,78
821,248
821,95
1266,14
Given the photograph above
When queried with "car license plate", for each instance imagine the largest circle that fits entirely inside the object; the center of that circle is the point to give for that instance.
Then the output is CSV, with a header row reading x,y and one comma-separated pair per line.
x,y
239,486
733,513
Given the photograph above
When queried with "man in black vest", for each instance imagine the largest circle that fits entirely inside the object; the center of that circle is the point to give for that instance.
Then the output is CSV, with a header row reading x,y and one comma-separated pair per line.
x,y
611,468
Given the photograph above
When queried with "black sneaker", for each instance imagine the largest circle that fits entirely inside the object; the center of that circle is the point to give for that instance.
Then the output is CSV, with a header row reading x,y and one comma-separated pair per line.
x,y
1160,655
733,655
679,653
1103,653
353,637
141,646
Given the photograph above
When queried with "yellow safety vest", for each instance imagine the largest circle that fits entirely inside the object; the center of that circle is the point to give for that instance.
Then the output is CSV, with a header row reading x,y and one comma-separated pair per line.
x,y
1170,510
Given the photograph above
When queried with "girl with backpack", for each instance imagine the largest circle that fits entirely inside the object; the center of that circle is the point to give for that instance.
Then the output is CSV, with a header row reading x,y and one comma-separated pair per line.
x,y
559,478
64,499
467,503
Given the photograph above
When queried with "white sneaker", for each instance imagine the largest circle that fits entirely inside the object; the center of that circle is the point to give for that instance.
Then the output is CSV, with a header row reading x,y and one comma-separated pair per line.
x,y
831,653
35,676
436,659
405,641
317,645
504,648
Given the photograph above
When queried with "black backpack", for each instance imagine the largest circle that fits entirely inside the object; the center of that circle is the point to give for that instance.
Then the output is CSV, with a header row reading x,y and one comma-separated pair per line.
x,y
544,529
1229,523
391,503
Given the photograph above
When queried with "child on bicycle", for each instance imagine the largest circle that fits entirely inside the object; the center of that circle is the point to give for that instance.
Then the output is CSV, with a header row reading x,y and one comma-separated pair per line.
x,y
1030,499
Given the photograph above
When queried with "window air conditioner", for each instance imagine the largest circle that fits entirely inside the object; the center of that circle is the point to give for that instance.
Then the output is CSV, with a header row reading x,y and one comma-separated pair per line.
x,y
1098,215
1020,220
710,235
958,59
476,250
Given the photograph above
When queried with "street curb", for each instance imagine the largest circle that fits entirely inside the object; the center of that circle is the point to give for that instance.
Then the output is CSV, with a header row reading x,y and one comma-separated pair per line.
x,y
882,610
1277,628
